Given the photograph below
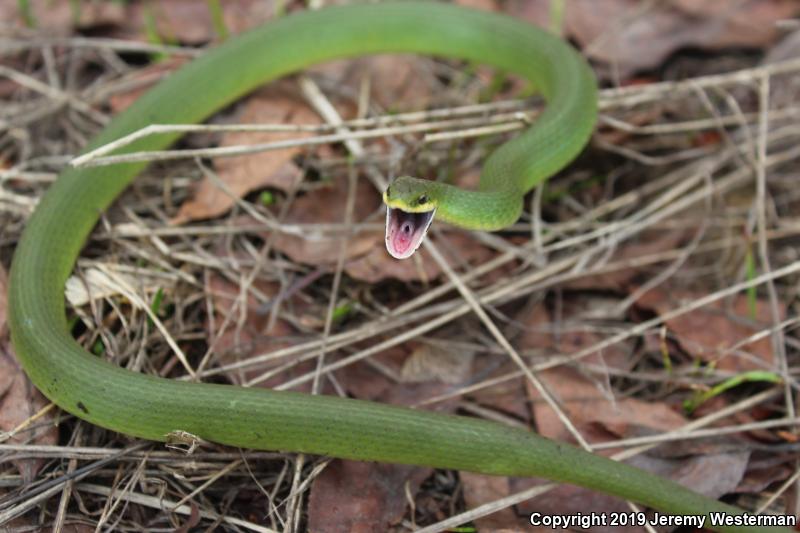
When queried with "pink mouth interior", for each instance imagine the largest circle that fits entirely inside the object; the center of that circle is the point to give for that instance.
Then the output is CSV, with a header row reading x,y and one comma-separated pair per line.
x,y
405,231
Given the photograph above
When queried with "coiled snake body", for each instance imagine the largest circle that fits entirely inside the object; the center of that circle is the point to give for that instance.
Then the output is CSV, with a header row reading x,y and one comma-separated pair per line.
x,y
151,407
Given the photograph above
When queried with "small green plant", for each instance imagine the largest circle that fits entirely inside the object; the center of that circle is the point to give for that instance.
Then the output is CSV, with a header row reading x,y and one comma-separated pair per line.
x,y
155,306
690,404
752,291
26,12
266,198
341,311
218,19
557,16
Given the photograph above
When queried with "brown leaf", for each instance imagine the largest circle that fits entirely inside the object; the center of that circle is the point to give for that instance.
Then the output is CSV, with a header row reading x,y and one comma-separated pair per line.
x,y
485,5
712,474
590,408
60,18
480,489
361,497
249,332
401,82
536,12
142,80
710,332
326,205
396,82
364,382
243,174
190,21
438,363
19,399
763,474
541,333
634,36
507,397
354,496
785,88
649,243
750,23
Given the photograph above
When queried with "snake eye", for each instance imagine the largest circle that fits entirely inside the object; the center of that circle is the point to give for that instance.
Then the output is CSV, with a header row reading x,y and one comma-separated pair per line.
x,y
388,191
423,199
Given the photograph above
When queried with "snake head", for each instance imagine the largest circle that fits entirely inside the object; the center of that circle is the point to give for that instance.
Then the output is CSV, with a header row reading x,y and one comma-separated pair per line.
x,y
410,206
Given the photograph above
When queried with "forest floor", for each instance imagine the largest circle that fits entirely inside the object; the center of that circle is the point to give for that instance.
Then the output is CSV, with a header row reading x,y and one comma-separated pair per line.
x,y
652,287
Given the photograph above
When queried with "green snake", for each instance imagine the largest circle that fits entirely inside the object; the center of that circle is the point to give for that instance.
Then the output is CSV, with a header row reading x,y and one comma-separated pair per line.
x,y
153,408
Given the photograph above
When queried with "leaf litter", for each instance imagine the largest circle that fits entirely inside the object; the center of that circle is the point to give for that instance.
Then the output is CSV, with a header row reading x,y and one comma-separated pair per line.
x,y
614,249
24,417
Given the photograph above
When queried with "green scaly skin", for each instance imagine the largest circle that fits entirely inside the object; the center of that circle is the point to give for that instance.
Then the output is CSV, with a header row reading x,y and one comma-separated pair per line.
x,y
150,407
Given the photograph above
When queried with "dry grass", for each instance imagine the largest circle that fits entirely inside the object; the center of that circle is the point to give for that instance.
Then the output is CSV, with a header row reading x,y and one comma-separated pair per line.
x,y
736,194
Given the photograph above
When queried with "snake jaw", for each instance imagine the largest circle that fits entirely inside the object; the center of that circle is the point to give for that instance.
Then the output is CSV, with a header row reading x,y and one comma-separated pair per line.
x,y
405,231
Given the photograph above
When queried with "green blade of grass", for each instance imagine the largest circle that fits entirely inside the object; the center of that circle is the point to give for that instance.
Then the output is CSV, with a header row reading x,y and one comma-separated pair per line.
x,y
26,12
752,291
689,405
218,19
155,307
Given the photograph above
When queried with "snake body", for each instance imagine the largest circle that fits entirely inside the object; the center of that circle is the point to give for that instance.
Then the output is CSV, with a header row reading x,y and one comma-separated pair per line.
x,y
151,407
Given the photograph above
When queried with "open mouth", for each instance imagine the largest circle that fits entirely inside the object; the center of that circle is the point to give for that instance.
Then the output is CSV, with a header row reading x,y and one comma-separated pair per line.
x,y
405,231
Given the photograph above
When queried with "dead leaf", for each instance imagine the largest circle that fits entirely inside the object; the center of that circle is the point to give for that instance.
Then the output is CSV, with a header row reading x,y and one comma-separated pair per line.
x,y
142,80
586,404
326,205
438,363
396,82
19,399
243,174
364,382
250,332
711,474
648,243
399,82
190,21
764,473
784,88
97,283
507,397
480,489
354,496
536,12
485,5
361,497
543,334
631,35
711,332
61,18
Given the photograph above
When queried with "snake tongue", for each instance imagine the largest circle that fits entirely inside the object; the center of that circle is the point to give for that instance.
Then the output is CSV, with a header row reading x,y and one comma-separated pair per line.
x,y
405,231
